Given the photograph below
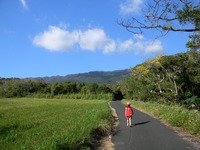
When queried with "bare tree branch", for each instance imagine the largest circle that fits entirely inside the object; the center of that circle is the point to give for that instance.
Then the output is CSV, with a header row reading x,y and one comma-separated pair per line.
x,y
165,16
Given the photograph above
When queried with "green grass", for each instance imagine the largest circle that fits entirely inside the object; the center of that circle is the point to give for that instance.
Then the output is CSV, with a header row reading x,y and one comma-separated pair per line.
x,y
49,124
81,96
97,96
173,114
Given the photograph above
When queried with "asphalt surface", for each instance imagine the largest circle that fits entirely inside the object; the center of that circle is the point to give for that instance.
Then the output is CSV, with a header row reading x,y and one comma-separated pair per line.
x,y
146,133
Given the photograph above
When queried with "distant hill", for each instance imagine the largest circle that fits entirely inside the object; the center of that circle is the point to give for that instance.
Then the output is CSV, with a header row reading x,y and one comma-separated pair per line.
x,y
90,77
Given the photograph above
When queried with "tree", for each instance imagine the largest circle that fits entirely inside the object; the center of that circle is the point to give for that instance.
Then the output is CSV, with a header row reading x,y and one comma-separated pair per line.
x,y
194,42
168,15
173,67
193,71
164,15
140,83
69,87
57,88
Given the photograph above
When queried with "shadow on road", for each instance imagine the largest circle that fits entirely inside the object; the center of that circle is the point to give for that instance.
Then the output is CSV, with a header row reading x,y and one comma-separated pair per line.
x,y
141,123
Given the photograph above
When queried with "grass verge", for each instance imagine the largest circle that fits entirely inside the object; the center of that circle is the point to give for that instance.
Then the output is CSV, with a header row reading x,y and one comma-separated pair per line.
x,y
175,115
27,123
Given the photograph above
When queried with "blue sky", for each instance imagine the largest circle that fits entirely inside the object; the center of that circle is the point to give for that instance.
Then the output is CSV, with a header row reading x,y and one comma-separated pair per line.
x,y
60,37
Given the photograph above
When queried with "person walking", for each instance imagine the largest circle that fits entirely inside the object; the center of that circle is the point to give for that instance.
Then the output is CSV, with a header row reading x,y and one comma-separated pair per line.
x,y
128,114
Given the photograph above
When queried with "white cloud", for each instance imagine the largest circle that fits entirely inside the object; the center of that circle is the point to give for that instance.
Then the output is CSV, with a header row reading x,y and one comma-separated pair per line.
x,y
140,45
126,45
96,39
131,6
143,46
56,39
24,4
109,47
153,47
93,39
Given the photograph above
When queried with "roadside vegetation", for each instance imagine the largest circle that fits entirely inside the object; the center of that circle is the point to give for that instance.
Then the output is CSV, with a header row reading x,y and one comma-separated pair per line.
x,y
27,123
178,116
167,80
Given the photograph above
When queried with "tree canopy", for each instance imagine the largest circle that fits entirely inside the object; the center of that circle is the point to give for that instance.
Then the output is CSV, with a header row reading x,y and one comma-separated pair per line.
x,y
164,15
166,79
168,15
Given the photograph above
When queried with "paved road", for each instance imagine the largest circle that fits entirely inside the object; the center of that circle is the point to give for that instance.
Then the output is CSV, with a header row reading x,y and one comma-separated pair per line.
x,y
147,133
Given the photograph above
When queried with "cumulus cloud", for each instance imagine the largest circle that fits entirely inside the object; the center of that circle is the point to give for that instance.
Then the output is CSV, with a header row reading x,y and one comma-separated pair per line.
x,y
96,38
126,45
153,46
56,39
131,6
109,47
139,45
24,4
93,39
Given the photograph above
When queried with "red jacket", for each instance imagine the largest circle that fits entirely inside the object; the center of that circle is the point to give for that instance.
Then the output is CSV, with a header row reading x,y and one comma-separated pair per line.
x,y
128,111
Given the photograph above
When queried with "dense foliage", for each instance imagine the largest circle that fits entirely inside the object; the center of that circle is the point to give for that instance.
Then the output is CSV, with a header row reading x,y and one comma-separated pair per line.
x,y
166,79
14,87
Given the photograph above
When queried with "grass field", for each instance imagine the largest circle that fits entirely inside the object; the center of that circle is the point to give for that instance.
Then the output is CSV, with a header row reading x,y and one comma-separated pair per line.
x,y
50,124
175,115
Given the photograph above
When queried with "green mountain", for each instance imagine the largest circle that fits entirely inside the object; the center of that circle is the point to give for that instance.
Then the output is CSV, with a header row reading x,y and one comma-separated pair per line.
x,y
90,77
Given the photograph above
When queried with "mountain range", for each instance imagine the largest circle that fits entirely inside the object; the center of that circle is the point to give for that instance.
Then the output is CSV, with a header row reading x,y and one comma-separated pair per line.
x,y
90,77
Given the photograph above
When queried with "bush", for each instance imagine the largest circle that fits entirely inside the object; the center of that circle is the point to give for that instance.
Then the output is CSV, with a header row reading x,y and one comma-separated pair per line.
x,y
193,103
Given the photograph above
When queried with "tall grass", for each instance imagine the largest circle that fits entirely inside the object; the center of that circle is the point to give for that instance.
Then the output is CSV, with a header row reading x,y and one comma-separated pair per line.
x,y
173,114
97,96
49,124
89,96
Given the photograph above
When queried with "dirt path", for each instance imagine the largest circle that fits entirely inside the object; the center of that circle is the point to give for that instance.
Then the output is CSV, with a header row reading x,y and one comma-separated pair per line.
x,y
106,143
